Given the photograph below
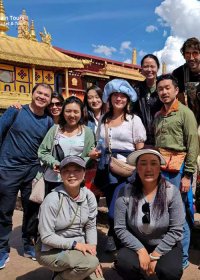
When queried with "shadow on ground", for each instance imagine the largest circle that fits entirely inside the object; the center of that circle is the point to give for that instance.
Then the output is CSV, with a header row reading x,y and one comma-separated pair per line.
x,y
39,273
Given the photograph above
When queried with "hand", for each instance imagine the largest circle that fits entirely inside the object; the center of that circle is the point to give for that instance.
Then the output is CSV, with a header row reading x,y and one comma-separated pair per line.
x,y
56,168
185,184
94,154
17,105
86,248
98,271
144,259
151,268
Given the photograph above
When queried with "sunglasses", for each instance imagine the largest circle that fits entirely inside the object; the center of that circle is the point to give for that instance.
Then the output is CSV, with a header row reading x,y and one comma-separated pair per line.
x,y
56,104
146,211
194,54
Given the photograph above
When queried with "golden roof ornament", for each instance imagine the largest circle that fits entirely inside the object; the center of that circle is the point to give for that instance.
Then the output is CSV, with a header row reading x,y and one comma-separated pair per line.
x,y
46,37
23,26
134,57
32,32
164,68
3,20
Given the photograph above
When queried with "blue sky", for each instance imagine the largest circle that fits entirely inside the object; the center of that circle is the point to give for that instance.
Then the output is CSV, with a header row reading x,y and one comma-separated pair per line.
x,y
89,26
112,28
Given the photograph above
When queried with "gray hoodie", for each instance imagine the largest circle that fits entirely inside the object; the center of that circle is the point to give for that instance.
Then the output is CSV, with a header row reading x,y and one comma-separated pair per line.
x,y
55,220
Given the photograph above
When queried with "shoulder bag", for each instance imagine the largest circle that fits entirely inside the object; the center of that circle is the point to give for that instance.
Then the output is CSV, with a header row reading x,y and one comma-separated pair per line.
x,y
117,166
38,185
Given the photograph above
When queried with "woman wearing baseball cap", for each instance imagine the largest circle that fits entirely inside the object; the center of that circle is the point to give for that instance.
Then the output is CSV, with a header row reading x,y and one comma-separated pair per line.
x,y
67,226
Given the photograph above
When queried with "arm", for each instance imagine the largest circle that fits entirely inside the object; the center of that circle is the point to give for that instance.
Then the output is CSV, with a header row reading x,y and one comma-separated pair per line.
x,y
192,144
139,133
191,141
6,121
44,151
89,143
90,227
120,216
176,221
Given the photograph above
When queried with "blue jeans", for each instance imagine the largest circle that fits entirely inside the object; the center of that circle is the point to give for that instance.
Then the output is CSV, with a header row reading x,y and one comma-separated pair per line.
x,y
175,179
11,181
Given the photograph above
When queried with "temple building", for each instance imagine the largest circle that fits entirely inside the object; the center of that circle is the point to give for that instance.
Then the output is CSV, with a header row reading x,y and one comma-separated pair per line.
x,y
24,62
99,71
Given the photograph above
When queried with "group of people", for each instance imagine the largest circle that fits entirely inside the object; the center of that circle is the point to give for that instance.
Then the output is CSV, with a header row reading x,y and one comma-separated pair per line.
x,y
142,125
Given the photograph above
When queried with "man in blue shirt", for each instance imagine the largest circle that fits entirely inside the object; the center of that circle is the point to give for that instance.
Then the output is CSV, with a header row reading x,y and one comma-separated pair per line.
x,y
21,132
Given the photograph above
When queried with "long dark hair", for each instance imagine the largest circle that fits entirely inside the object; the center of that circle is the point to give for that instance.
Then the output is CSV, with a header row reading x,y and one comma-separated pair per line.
x,y
160,201
87,110
109,114
69,100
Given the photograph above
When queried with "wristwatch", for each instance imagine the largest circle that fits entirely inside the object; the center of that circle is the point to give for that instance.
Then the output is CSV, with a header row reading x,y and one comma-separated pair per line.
x,y
74,245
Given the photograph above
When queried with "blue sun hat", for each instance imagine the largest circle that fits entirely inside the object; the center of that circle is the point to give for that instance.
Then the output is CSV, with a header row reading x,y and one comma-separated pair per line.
x,y
119,85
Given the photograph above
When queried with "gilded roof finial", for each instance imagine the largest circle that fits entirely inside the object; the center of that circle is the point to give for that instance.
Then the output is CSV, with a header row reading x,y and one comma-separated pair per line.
x,y
3,19
32,32
164,68
46,37
134,57
23,26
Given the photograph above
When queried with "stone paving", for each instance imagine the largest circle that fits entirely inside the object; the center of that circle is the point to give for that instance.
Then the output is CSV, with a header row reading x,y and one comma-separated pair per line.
x,y
21,268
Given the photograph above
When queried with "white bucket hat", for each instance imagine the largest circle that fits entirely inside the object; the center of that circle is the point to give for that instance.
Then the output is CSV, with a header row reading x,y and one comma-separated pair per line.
x,y
132,158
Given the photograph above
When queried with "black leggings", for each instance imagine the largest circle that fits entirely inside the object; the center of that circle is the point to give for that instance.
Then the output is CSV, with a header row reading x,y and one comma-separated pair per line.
x,y
169,266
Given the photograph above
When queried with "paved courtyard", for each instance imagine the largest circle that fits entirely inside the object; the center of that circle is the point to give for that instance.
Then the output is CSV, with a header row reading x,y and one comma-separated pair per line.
x,y
21,268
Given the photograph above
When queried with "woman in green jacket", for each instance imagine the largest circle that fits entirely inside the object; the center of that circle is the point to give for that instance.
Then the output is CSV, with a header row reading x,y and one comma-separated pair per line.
x,y
69,137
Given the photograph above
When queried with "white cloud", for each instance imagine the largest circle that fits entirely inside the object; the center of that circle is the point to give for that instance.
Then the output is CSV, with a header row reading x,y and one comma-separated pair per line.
x,y
182,16
126,45
128,61
151,28
102,49
142,53
164,33
170,54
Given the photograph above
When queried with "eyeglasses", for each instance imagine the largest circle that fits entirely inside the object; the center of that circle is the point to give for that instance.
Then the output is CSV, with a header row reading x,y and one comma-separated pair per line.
x,y
194,54
146,211
56,104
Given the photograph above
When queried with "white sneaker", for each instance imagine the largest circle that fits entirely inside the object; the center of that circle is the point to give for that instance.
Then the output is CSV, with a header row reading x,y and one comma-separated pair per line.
x,y
110,244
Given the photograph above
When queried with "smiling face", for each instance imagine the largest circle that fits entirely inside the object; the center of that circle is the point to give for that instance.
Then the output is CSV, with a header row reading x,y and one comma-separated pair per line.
x,y
149,68
72,176
41,97
167,91
148,168
72,114
192,57
55,107
119,101
94,101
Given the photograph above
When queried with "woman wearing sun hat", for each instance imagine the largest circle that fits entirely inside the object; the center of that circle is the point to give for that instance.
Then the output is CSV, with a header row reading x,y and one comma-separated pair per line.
x,y
149,219
121,133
